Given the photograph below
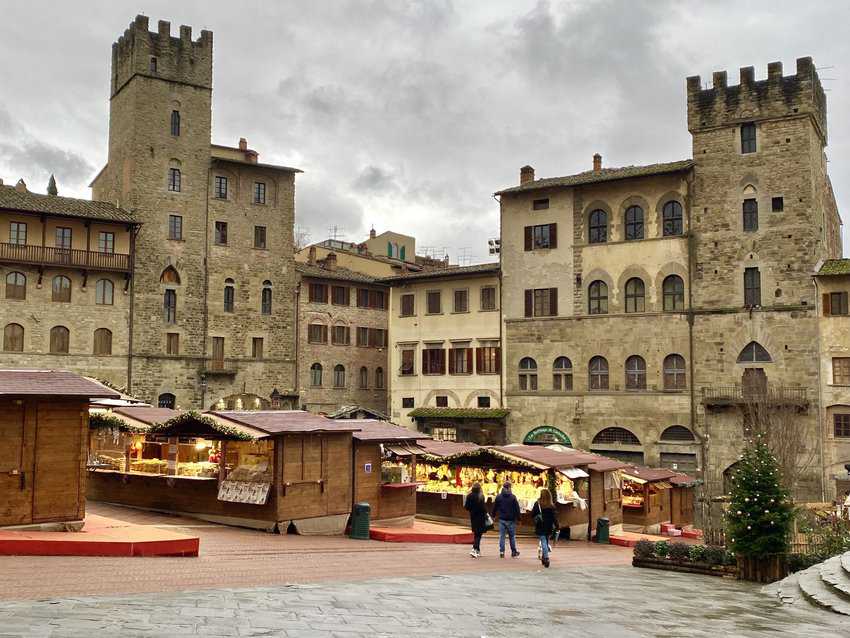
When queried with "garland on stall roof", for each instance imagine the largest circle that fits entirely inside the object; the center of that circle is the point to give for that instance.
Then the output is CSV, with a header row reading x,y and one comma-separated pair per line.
x,y
101,420
193,417
473,454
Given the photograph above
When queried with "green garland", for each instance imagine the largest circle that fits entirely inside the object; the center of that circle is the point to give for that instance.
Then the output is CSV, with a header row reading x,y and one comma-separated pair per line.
x,y
102,420
196,417
472,454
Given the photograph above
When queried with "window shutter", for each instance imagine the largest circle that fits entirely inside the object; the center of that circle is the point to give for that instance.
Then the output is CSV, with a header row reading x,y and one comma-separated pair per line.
x,y
479,359
498,356
553,302
425,358
529,303
827,310
442,361
451,362
553,235
529,237
469,360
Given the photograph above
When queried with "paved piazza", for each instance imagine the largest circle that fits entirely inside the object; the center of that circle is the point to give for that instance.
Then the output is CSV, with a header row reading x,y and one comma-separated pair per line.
x,y
254,584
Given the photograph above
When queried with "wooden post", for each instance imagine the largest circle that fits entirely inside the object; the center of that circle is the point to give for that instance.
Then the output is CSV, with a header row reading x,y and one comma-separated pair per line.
x,y
173,447
222,462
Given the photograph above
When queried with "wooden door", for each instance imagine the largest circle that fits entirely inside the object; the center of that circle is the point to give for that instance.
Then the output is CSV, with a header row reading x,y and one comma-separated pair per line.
x,y
218,353
15,466
754,382
57,493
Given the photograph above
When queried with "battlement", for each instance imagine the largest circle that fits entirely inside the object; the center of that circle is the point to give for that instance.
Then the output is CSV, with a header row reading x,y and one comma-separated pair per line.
x,y
180,59
752,100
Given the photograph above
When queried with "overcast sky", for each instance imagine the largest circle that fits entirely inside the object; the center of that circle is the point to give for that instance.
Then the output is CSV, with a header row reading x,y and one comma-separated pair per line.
x,y
409,115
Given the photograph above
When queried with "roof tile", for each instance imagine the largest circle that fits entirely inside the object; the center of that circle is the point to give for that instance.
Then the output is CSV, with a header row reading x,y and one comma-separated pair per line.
x,y
835,267
51,383
11,199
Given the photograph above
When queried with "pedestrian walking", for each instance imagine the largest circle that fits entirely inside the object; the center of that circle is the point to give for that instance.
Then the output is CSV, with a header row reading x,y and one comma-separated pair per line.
x,y
506,509
479,519
545,523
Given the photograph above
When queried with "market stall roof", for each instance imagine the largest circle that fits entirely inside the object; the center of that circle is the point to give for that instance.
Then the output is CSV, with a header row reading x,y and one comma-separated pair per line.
x,y
205,426
346,412
54,383
458,413
377,431
643,474
439,449
271,422
145,414
604,464
547,458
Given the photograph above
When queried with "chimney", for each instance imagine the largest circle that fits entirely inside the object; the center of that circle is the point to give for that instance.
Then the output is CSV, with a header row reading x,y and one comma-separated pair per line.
x,y
597,162
51,186
243,144
21,186
311,255
330,262
526,174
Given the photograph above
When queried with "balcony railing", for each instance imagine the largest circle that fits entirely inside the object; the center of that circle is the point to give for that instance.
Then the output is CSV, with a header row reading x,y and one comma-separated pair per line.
x,y
739,394
70,257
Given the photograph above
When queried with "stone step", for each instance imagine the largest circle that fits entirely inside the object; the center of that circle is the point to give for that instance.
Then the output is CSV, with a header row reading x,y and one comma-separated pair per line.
x,y
845,562
786,590
832,573
819,593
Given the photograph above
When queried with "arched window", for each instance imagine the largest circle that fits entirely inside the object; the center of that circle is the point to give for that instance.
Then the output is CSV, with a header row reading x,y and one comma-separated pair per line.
x,y
169,276
102,341
364,378
174,180
103,292
175,123
754,352
677,433
229,294
316,375
634,222
674,293
266,301
16,285
598,370
527,374
615,435
339,376
598,227
597,298
169,306
59,340
635,373
671,216
674,372
562,374
61,288
379,378
13,338
166,400
635,295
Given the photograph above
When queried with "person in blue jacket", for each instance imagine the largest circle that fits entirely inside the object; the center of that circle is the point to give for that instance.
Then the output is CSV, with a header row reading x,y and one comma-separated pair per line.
x,y
545,522
506,509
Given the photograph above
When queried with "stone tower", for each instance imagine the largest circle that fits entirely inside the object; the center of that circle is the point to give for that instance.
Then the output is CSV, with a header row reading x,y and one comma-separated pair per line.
x,y
762,216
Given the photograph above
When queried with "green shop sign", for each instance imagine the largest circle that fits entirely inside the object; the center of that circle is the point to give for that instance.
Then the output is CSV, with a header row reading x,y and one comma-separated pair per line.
x,y
547,434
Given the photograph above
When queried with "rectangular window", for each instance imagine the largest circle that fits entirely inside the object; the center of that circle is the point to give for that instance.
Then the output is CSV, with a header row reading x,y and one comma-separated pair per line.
x,y
460,360
433,361
433,304
408,305
340,295
777,204
106,242
483,402
377,337
317,333
318,293
752,287
172,343
748,138
488,360
259,192
540,204
63,238
174,180
841,425
175,227
841,370
751,215
407,403
217,361
18,233
444,434
170,306
377,299
488,298
541,302
260,237
341,335
837,304
541,237
461,300
257,348
175,123
362,336
441,401
362,298
221,233
408,364
220,187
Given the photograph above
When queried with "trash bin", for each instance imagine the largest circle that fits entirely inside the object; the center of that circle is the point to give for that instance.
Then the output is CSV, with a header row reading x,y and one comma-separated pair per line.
x,y
360,521
602,529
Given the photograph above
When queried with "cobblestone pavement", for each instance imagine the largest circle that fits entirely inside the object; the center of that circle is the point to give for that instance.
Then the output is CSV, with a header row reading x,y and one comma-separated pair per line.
x,y
590,602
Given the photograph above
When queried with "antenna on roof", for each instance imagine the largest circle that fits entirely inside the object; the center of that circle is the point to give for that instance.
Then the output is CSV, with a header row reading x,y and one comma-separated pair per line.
x,y
463,256
334,232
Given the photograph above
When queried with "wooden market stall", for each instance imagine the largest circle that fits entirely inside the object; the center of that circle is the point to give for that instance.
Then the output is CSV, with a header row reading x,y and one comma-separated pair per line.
x,y
652,496
278,470
43,442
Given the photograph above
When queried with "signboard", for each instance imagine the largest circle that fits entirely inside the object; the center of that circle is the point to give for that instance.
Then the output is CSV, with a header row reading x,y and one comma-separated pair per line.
x,y
545,435
244,492
367,468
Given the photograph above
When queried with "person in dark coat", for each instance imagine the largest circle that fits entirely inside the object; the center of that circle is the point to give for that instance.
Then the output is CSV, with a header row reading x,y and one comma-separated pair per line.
x,y
545,523
474,504
506,509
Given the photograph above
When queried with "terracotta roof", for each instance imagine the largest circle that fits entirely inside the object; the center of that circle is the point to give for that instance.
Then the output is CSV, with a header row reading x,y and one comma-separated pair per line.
x,y
649,474
604,464
603,175
146,414
344,412
286,421
337,274
374,430
446,448
835,267
11,199
274,167
438,273
57,383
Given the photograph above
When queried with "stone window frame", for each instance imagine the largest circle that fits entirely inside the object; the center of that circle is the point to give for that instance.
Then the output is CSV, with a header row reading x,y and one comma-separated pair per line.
x,y
322,332
599,374
102,342
316,373
15,289
596,225
229,305
465,296
671,294
527,375
60,295
674,377
635,373
60,340
100,292
266,298
363,378
747,138
339,376
562,374
670,202
636,299
597,297
13,337
634,223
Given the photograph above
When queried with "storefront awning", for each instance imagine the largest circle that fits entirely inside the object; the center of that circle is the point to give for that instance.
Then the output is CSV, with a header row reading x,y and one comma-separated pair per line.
x,y
574,472
404,449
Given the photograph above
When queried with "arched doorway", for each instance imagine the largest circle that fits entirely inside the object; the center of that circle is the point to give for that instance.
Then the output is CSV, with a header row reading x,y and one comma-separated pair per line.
x,y
754,379
547,435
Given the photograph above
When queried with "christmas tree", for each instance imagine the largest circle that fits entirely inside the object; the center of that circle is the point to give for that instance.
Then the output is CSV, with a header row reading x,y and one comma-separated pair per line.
x,y
759,515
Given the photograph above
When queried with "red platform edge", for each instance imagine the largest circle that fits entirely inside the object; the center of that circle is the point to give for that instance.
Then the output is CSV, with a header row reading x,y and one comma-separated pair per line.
x,y
67,547
403,535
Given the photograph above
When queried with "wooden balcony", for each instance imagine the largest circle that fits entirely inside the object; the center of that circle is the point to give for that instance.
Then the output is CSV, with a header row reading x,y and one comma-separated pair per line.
x,y
67,257
218,367
740,395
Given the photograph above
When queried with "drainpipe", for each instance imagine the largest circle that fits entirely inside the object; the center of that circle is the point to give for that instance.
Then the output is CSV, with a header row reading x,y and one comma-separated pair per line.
x,y
206,284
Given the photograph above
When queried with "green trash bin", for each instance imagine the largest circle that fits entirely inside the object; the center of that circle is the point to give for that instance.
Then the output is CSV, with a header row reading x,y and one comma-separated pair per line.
x,y
360,521
602,530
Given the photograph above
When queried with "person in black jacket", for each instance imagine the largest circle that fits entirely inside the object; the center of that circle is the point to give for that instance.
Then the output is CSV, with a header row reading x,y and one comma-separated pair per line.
x,y
474,504
506,509
545,522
